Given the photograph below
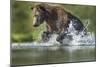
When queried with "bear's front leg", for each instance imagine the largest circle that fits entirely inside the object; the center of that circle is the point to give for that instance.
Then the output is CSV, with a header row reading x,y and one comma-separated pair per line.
x,y
46,36
61,37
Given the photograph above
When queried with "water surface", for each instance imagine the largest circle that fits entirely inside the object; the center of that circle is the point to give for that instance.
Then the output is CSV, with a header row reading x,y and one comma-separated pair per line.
x,y
52,54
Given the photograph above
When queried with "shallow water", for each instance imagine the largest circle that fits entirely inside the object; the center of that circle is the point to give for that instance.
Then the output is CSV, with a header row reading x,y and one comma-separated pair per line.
x,y
52,54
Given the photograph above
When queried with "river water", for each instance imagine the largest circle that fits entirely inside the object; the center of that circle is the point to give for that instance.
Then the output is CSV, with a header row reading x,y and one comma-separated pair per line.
x,y
52,54
78,48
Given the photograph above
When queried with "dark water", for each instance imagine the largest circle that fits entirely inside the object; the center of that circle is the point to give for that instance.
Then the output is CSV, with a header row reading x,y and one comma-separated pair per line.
x,y
52,54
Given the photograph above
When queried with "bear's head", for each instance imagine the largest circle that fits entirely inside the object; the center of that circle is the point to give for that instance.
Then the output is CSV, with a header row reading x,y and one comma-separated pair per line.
x,y
40,12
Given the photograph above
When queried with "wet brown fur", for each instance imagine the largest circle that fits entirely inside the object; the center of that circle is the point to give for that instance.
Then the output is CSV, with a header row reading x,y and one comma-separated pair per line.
x,y
57,19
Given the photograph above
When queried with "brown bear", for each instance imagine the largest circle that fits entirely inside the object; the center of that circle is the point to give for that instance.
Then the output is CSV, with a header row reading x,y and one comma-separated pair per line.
x,y
57,20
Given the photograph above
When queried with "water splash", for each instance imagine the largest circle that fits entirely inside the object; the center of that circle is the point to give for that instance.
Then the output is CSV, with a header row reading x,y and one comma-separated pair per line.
x,y
73,38
79,39
52,41
88,39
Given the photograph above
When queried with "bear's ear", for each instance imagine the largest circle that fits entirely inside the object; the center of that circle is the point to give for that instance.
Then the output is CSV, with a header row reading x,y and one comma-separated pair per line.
x,y
41,7
44,7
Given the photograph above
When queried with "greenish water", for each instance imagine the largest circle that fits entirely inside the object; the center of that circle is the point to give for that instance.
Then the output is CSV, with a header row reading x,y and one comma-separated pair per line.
x,y
45,55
